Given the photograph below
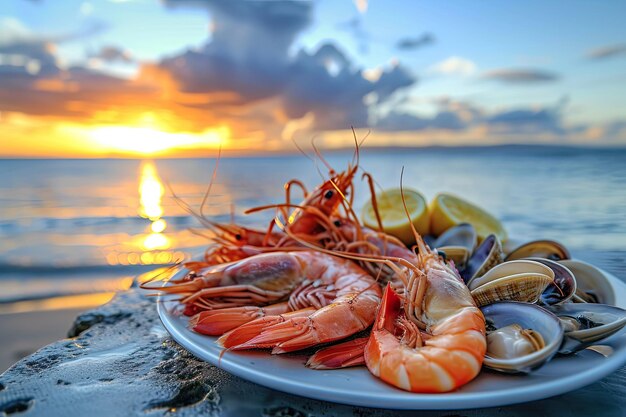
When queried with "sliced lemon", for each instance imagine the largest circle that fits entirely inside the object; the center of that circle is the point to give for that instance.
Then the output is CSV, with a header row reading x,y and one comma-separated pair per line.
x,y
394,219
447,210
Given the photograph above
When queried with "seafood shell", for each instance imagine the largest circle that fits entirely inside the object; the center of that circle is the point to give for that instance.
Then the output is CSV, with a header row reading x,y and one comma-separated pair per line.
x,y
587,323
592,286
521,280
513,341
457,243
548,249
562,288
527,316
487,255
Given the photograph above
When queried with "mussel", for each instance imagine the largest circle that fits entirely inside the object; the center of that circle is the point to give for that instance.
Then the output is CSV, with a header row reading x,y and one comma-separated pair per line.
x,y
548,249
521,336
457,243
487,255
521,280
562,288
586,323
592,285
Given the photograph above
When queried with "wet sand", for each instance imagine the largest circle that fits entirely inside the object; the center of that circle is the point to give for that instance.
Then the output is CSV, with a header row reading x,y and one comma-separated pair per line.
x,y
25,333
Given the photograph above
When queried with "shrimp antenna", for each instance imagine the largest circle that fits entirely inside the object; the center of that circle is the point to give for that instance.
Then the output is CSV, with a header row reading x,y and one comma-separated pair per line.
x,y
367,135
145,285
423,250
187,208
349,210
208,190
356,154
371,185
301,150
289,184
321,157
390,261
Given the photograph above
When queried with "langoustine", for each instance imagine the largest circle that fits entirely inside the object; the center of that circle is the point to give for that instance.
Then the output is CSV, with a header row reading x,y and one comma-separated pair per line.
x,y
328,299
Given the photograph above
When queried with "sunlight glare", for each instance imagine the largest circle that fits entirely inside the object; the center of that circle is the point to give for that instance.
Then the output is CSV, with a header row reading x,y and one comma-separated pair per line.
x,y
150,192
158,226
156,241
148,140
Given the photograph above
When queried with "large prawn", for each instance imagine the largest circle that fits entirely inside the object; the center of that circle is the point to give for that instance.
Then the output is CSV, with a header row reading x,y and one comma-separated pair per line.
x,y
328,299
433,338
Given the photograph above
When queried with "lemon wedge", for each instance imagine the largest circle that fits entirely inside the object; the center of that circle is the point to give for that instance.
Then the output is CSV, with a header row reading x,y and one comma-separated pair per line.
x,y
447,210
394,219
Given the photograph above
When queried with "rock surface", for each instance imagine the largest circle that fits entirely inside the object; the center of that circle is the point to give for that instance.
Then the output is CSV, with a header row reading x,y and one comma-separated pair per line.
x,y
120,361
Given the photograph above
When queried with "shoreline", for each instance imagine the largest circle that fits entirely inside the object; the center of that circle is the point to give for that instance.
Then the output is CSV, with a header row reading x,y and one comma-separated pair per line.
x,y
27,332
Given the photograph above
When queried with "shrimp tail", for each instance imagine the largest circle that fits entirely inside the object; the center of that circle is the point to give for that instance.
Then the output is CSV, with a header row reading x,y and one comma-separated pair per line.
x,y
341,355
218,322
241,337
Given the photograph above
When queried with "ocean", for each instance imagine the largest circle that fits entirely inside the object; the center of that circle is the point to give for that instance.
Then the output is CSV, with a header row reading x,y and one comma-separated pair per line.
x,y
76,227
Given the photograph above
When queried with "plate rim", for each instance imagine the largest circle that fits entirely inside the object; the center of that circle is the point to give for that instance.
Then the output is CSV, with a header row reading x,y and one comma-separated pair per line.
x,y
401,399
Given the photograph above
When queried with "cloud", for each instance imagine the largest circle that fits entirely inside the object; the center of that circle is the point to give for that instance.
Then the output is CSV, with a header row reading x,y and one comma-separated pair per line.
x,y
361,5
112,54
35,52
605,52
246,76
248,52
454,116
354,26
248,56
454,65
527,121
520,76
397,121
410,44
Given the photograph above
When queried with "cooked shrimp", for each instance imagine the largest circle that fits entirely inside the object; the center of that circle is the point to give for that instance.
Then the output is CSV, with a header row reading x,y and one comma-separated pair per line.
x,y
341,355
434,341
344,296
218,322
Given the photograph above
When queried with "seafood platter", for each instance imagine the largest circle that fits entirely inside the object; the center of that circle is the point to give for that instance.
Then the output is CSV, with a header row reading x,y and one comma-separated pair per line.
x,y
404,304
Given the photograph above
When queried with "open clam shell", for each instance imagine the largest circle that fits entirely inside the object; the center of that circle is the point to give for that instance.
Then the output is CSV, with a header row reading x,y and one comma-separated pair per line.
x,y
548,249
586,324
487,255
458,254
457,243
521,280
528,316
592,285
562,288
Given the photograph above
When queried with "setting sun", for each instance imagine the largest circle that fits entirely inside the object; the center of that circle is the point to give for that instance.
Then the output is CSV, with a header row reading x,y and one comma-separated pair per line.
x,y
146,140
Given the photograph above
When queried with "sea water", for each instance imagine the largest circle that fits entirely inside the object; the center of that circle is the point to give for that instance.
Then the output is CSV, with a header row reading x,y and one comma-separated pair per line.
x,y
85,226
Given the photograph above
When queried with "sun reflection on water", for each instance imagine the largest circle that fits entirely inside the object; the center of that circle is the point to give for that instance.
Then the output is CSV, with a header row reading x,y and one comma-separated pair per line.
x,y
150,192
154,247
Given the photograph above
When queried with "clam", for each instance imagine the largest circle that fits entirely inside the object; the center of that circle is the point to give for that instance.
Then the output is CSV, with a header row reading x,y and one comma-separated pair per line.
x,y
562,288
457,243
592,286
487,255
548,249
513,341
521,280
521,337
586,324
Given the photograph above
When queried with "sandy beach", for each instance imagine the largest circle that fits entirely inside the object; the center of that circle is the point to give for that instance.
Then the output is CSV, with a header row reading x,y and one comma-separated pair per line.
x,y
25,333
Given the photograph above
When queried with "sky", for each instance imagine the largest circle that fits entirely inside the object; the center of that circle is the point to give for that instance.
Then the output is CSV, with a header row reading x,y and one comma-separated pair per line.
x,y
92,78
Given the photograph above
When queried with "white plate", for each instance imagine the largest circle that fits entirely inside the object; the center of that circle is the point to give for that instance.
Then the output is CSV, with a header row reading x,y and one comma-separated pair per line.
x,y
356,386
